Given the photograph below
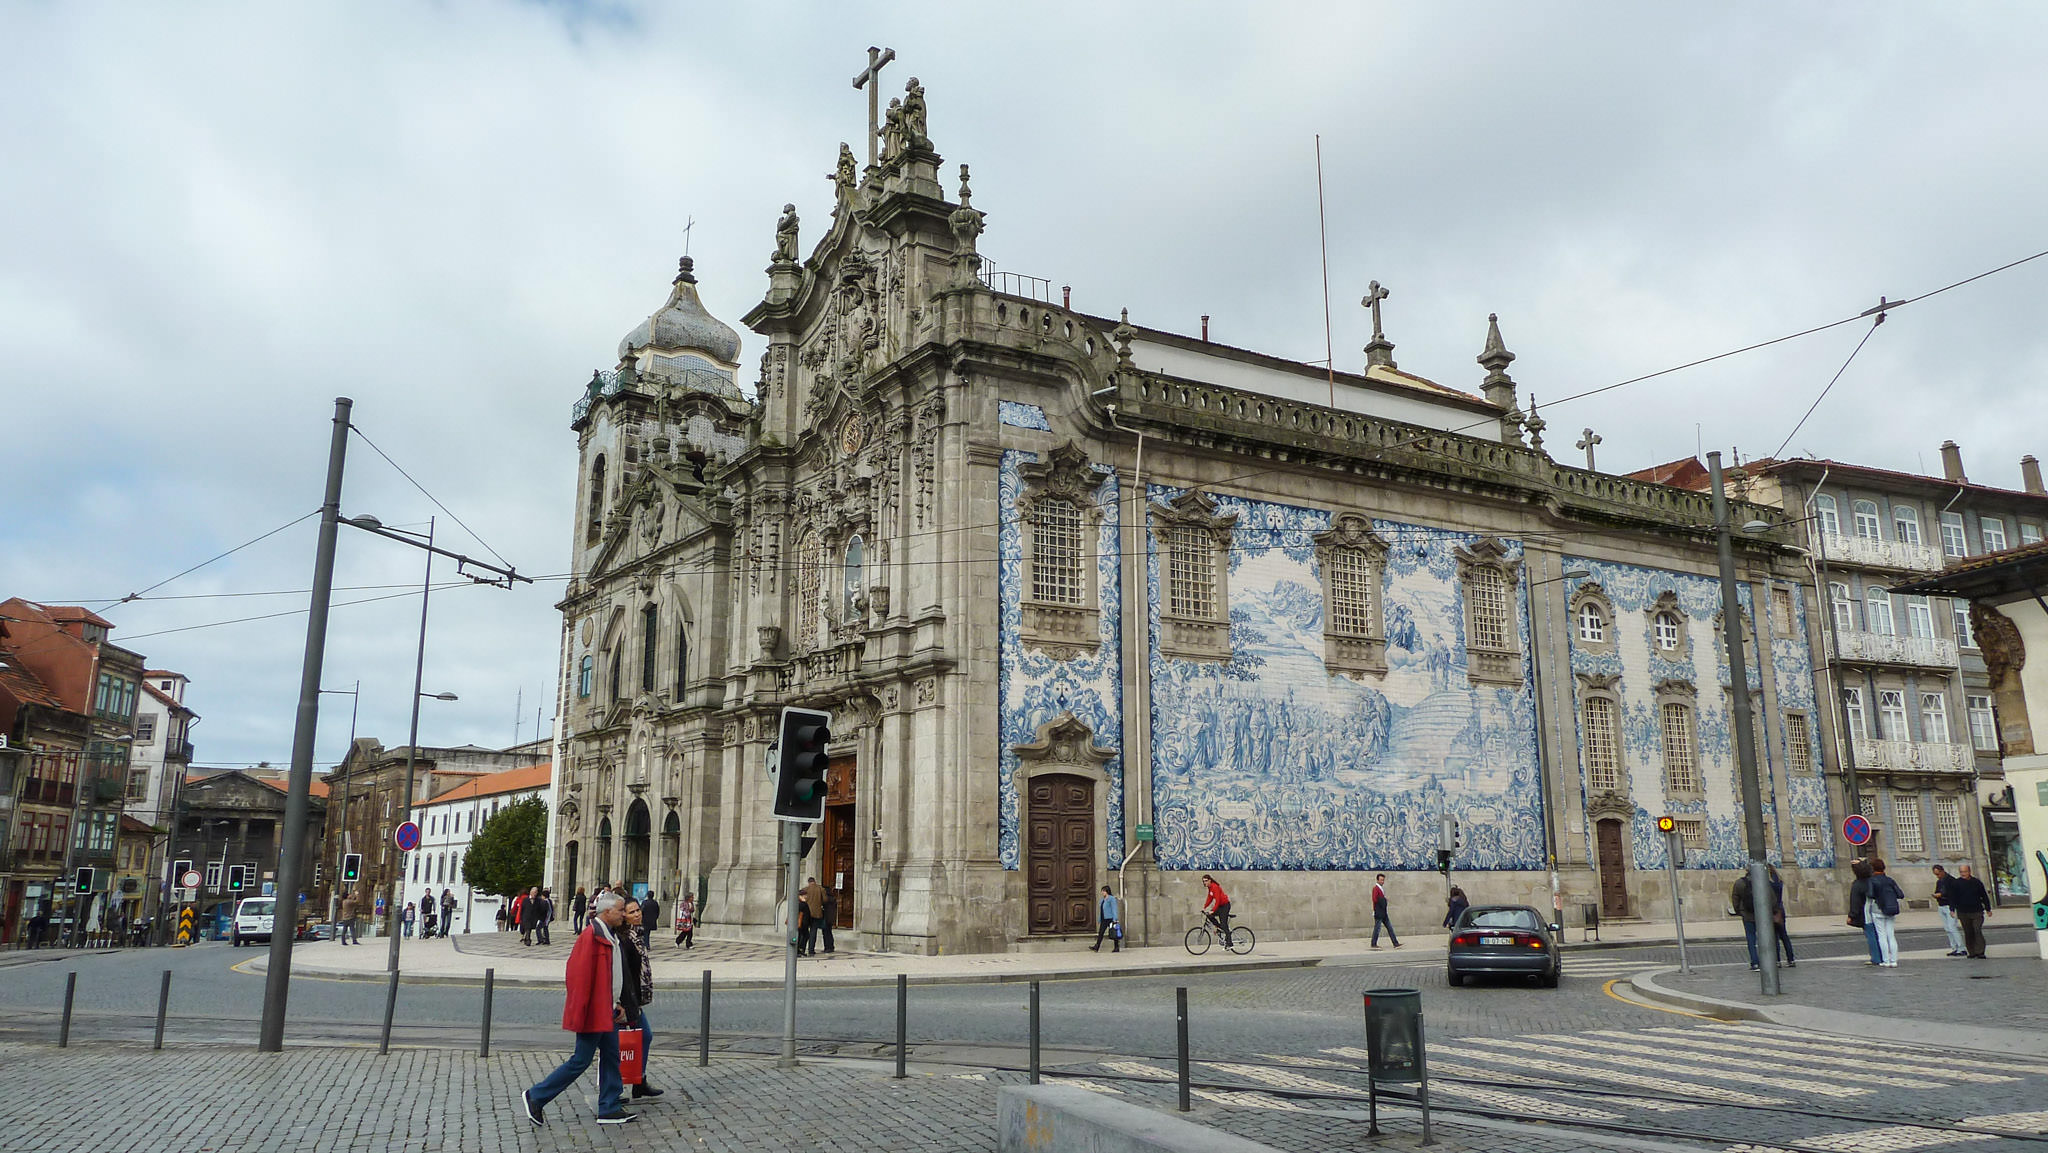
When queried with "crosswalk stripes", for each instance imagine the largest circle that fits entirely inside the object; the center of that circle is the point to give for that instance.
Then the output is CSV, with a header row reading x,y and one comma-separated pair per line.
x,y
1579,1069
1277,1078
1829,1045
1718,1064
1521,1103
1690,1071
1248,1099
1835,1056
1889,1139
2032,1123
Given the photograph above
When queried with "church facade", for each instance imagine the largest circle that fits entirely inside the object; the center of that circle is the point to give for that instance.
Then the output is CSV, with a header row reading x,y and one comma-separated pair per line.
x,y
1094,603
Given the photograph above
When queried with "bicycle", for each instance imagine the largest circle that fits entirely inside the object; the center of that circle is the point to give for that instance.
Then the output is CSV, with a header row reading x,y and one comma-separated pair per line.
x,y
1200,938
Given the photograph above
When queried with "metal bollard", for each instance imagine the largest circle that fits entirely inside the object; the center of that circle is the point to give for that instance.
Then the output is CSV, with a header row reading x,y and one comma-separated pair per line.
x,y
490,988
64,1030
1180,1018
1034,1032
163,1005
390,1010
704,1024
902,1020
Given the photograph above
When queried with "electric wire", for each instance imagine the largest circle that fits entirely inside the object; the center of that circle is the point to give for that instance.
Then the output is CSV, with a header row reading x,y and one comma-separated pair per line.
x,y
210,560
358,430
1830,386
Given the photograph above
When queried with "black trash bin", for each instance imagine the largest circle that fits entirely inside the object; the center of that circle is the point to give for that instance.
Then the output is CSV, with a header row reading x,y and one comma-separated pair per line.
x,y
1395,1051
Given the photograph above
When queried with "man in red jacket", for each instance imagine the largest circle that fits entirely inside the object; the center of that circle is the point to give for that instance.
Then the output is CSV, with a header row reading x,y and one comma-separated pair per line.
x,y
592,1012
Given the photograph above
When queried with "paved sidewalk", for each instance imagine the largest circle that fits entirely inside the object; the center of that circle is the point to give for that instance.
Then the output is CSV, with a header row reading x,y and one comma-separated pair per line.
x,y
329,1100
463,958
1999,1004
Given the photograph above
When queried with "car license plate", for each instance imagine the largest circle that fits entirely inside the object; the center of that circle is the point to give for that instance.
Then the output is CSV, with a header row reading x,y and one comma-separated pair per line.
x,y
1496,940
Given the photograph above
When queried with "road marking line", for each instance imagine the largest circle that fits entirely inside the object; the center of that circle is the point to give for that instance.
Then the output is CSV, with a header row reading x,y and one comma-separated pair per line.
x,y
2011,1122
1751,1056
1474,1072
1831,1044
1306,1062
1890,1139
1278,1078
1091,1086
1770,1048
1245,1099
1591,1054
1608,989
1660,1084
1138,1069
1524,1104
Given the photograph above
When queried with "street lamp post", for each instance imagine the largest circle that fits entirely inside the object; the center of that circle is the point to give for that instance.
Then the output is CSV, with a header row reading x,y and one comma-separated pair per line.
x,y
334,887
1745,741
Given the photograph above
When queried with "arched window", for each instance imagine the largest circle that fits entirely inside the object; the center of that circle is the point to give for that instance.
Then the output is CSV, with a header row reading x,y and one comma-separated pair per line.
x,y
856,550
650,640
1830,514
1592,623
1670,631
594,513
1877,611
1866,520
810,560
617,688
585,670
1906,524
682,658
1844,605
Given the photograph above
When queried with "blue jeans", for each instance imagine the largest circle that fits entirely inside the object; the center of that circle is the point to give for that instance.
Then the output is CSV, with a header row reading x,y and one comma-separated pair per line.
x,y
605,1047
646,1044
1782,940
1870,938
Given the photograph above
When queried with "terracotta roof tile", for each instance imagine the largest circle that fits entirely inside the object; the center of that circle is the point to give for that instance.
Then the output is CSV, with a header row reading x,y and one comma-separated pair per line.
x,y
497,784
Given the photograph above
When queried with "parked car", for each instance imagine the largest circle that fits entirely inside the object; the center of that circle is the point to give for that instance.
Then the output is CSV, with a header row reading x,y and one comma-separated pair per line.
x,y
253,917
1506,940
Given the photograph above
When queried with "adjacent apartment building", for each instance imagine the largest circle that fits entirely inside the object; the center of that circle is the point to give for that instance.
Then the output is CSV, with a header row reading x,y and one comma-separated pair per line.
x,y
448,823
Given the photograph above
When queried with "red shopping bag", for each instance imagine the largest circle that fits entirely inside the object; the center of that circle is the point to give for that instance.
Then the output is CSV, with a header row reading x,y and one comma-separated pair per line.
x,y
632,1056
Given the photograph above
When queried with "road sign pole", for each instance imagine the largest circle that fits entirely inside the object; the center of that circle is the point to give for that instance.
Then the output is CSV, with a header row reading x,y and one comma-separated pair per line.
x,y
1673,848
790,850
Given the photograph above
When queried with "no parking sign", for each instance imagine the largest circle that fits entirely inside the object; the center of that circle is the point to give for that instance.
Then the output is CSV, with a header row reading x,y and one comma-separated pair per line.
x,y
1856,829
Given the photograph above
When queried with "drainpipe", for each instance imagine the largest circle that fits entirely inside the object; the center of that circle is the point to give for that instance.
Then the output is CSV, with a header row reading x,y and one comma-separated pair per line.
x,y
1136,647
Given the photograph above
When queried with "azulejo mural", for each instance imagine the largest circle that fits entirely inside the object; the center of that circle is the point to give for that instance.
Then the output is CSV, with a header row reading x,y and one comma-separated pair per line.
x,y
1644,668
1033,687
1269,761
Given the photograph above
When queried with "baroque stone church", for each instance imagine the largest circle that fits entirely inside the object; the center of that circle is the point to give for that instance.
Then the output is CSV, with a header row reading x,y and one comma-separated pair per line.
x,y
1095,603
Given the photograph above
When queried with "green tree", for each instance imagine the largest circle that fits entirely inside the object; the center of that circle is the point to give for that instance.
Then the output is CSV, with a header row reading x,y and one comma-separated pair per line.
x,y
507,853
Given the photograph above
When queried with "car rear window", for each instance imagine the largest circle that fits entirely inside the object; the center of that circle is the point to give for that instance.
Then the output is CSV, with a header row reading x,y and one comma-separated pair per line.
x,y
1503,919
258,908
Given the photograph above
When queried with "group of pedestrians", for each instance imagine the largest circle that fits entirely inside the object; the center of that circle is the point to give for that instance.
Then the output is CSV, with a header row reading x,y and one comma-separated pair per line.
x,y
817,910
610,983
533,914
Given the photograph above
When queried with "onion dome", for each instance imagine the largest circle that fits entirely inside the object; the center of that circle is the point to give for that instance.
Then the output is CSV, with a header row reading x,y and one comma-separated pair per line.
x,y
683,323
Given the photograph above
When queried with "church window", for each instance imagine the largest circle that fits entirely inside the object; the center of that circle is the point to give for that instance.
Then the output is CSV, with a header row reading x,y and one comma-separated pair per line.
x,y
1798,744
1830,515
1781,610
593,527
1603,746
1681,755
1351,591
1191,581
1056,553
1592,623
585,671
618,688
1352,558
856,557
650,642
810,564
1867,524
1670,631
1195,541
682,658
1492,645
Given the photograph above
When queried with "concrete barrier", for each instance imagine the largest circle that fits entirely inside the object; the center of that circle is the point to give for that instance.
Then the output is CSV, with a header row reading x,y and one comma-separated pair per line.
x,y
1070,1120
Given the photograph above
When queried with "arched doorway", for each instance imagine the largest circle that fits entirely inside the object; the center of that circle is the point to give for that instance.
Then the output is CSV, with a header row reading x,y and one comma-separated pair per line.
x,y
569,868
671,856
1613,861
604,852
639,826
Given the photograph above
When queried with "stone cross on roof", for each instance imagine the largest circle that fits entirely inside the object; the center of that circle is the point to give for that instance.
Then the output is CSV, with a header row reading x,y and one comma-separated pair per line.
x,y
1587,442
1378,350
870,78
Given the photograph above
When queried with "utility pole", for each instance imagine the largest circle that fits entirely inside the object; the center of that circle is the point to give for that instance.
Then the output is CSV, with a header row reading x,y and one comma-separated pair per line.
x,y
292,845
1745,742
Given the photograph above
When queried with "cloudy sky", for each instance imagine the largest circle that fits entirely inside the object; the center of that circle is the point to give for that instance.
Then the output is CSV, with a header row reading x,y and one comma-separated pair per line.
x,y
218,218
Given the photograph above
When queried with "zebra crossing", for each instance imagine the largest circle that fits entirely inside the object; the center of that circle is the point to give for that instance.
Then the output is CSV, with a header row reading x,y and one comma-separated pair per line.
x,y
1593,969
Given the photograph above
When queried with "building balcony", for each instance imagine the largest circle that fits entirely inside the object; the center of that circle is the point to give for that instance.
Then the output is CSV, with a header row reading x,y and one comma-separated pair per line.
x,y
1915,756
1892,554
178,751
1890,649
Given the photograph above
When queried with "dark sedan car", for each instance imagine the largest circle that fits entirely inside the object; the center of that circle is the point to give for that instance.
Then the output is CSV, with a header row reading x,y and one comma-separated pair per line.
x,y
1509,940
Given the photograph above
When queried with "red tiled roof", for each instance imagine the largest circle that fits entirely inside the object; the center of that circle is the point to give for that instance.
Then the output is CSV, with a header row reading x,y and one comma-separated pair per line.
x,y
497,784
282,783
64,614
131,825
1685,472
25,686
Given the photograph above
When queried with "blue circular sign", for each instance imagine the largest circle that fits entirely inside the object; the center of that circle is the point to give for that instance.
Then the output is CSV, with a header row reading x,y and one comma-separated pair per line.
x,y
407,837
1856,829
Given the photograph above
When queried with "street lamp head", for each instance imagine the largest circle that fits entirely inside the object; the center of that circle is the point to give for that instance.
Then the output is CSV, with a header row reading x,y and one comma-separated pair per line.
x,y
1758,526
365,521
441,696
1572,574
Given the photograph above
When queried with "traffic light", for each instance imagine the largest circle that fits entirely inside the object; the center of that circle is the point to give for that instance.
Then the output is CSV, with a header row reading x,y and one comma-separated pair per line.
x,y
82,883
234,878
1443,861
1450,838
800,765
351,868
1673,841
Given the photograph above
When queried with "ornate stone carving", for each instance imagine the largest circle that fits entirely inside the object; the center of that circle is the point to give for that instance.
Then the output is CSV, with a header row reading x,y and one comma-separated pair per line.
x,y
1351,554
844,176
1064,743
913,118
927,690
769,638
785,236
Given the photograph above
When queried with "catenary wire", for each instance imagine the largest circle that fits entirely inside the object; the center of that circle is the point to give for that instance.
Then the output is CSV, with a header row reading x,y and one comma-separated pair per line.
x,y
358,430
210,560
1808,414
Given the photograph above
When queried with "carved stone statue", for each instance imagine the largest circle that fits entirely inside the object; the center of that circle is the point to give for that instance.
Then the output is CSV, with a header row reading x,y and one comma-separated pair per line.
x,y
845,176
892,131
785,236
914,136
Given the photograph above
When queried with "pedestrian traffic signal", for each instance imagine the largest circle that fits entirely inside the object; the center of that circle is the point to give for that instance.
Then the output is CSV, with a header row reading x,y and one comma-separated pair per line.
x,y
351,868
800,765
1443,861
1666,824
234,878
83,881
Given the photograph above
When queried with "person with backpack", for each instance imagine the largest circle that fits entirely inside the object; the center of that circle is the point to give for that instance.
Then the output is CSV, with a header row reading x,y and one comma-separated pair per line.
x,y
1859,902
1885,899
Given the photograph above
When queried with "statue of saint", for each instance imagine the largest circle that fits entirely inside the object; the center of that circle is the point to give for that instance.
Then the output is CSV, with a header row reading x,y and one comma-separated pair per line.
x,y
914,117
785,235
892,130
845,175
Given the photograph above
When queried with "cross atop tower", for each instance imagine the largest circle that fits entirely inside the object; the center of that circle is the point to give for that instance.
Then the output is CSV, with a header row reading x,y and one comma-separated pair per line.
x,y
1587,442
870,78
1378,350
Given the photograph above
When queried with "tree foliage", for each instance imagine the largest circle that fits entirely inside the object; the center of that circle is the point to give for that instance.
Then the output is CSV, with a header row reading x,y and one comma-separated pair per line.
x,y
507,853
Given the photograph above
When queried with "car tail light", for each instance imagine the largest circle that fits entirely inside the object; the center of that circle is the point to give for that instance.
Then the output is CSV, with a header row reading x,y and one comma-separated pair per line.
x,y
1465,939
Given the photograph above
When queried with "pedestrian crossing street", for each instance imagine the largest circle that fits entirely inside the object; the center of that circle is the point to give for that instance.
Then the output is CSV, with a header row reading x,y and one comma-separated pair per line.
x,y
1735,1080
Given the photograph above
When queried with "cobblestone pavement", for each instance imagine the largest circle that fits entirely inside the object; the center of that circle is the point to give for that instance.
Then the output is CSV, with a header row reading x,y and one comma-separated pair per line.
x,y
2007,991
667,954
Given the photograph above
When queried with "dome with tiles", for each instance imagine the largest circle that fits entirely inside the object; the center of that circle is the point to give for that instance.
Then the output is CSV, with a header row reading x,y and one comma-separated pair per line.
x,y
683,323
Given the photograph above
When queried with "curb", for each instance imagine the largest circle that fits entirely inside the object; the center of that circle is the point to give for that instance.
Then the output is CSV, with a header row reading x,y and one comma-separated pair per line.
x,y
1646,986
749,984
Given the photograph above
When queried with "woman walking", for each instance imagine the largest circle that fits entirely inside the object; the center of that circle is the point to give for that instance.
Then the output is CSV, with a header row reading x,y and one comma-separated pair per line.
x,y
686,921
1886,899
1456,907
579,905
638,971
1859,905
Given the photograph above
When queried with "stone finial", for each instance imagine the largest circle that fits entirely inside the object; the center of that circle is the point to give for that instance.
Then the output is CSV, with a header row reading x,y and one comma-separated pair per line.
x,y
1123,334
1379,350
966,223
1499,387
685,271
966,193
1535,423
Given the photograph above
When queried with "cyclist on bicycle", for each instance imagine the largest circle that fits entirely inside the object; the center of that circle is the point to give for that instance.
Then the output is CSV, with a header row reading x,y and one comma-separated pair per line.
x,y
1216,907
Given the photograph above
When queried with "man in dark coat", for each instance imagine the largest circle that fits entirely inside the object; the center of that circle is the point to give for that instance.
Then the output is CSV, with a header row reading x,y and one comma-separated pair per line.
x,y
1972,904
529,916
597,1004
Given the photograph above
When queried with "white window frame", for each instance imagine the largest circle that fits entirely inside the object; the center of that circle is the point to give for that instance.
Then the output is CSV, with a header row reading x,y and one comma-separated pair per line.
x,y
1908,838
1877,611
1955,542
1668,630
1934,717
145,729
1959,611
1869,525
1948,824
1992,530
1592,623
1891,715
1843,605
1919,618
1983,723
2030,533
1852,706
1906,524
1830,514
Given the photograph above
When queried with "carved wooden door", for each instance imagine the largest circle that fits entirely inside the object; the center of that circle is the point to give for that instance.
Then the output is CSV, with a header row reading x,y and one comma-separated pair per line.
x,y
1613,870
840,835
1060,849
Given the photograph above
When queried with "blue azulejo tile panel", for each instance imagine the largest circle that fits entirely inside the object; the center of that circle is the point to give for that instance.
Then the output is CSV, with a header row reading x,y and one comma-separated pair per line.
x,y
1270,762
1022,415
1641,665
1032,688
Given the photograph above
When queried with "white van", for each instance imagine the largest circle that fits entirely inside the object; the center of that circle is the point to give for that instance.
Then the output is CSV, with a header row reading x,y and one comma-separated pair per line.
x,y
253,919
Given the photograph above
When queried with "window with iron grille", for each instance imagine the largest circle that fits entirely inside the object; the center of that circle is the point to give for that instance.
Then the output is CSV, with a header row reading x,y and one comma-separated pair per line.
x,y
1781,610
1487,597
1808,835
1603,754
1798,744
1191,579
1906,836
1350,576
1866,804
1681,763
1948,824
1056,553
810,566
1692,831
1592,623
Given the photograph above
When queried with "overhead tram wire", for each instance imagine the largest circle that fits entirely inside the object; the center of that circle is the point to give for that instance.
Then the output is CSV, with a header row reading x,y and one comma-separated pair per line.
x,y
358,430
1808,415
202,564
412,592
